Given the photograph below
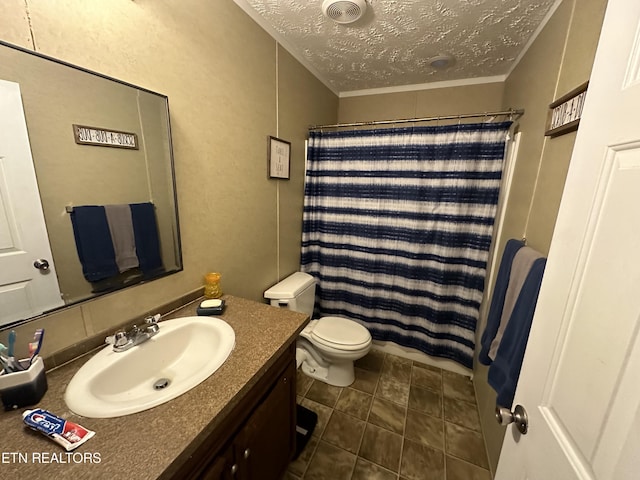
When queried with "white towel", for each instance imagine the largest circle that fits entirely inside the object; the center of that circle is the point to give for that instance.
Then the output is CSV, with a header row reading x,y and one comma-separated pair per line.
x,y
122,236
520,268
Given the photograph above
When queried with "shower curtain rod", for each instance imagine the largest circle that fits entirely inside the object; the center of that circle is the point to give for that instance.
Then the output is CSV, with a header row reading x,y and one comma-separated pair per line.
x,y
515,114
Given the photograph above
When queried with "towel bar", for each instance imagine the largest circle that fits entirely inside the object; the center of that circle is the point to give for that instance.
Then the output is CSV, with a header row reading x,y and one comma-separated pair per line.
x,y
69,208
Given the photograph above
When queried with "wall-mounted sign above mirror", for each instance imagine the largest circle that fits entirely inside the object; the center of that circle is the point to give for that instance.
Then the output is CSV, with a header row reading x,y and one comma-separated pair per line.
x,y
104,138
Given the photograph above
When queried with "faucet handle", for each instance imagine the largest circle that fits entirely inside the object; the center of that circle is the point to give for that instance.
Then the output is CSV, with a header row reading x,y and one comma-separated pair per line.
x,y
118,339
151,324
121,339
152,329
153,319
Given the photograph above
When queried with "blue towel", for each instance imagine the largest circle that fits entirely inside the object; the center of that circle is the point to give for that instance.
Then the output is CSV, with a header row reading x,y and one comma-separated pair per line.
x,y
505,369
93,242
145,230
497,301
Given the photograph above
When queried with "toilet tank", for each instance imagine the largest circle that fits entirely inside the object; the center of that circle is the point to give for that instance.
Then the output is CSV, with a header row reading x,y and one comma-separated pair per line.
x,y
296,292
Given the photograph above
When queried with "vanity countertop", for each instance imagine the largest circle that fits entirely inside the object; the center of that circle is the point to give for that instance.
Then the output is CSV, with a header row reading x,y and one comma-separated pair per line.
x,y
143,445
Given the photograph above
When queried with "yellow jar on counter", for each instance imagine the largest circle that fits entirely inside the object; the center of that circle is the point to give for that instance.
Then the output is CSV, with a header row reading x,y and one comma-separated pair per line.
x,y
212,287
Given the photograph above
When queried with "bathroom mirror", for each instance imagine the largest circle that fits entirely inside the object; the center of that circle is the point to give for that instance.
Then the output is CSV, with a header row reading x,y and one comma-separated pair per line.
x,y
94,167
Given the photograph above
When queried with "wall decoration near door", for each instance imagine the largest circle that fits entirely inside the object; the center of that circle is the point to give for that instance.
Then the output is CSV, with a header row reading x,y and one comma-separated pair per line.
x,y
397,229
565,113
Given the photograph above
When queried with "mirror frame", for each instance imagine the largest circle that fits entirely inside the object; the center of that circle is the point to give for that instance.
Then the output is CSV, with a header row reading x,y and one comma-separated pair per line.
x,y
178,237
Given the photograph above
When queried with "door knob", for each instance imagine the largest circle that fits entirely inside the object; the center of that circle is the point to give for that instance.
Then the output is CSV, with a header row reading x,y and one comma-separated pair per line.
x,y
41,264
504,416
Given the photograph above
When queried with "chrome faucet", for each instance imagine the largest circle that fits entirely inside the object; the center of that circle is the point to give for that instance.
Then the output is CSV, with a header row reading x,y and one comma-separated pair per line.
x,y
123,340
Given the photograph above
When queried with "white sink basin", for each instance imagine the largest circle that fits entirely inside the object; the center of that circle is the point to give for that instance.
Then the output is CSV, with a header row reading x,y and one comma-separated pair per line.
x,y
185,352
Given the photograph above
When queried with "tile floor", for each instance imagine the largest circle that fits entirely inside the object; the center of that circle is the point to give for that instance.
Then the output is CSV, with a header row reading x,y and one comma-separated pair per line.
x,y
400,420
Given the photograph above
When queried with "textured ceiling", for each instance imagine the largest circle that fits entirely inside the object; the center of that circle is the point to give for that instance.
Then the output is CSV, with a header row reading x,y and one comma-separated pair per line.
x,y
390,46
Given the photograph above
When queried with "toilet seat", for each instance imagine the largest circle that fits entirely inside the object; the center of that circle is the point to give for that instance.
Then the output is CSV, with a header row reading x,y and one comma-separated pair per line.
x,y
339,334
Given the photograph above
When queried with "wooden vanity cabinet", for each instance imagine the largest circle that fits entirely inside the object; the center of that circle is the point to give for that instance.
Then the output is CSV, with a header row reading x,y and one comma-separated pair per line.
x,y
265,444
256,440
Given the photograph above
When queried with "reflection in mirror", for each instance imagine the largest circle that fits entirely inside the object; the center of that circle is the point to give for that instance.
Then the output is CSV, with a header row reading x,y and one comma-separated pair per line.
x,y
129,235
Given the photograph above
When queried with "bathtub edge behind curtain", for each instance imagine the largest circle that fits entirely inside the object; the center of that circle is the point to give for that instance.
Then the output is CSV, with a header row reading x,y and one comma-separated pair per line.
x,y
397,228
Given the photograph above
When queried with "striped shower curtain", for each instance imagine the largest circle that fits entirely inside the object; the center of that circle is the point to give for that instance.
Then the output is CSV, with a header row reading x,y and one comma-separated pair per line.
x,y
397,230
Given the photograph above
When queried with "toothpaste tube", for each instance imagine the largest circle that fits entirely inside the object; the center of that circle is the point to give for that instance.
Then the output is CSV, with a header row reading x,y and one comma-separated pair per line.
x,y
68,434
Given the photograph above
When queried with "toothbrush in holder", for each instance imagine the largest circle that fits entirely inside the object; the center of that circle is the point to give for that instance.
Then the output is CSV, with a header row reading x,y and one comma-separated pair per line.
x,y
4,360
34,347
12,364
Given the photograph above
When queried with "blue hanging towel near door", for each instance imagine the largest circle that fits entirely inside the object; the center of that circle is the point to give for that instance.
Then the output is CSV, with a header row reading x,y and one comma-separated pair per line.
x,y
497,299
504,340
505,369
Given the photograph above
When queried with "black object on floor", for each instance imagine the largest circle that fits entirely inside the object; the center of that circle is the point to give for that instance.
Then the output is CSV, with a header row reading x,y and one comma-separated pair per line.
x,y
305,423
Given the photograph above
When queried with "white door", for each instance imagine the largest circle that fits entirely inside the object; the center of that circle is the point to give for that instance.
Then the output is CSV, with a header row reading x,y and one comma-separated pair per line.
x,y
24,290
580,381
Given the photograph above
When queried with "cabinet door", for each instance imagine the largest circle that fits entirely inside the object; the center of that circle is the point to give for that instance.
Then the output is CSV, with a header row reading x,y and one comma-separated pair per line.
x,y
266,444
221,468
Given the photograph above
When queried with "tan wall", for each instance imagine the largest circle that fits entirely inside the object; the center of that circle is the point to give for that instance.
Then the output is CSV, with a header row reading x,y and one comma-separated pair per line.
x,y
422,103
218,69
294,105
559,60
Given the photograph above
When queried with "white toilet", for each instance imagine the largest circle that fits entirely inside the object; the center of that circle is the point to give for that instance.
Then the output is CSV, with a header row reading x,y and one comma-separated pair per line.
x,y
327,347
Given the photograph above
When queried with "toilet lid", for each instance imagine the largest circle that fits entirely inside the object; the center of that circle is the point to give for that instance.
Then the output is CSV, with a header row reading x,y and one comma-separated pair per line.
x,y
340,331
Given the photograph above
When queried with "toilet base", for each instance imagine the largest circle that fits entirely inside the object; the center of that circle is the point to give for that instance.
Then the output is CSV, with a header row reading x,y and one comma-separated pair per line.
x,y
339,374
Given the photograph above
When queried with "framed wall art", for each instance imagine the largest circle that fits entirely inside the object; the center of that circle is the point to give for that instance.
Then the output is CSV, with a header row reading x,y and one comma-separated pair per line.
x,y
279,157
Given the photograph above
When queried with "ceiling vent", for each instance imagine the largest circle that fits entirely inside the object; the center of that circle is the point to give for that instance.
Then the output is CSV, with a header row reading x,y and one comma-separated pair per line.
x,y
440,62
344,11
